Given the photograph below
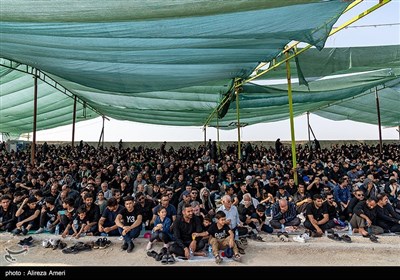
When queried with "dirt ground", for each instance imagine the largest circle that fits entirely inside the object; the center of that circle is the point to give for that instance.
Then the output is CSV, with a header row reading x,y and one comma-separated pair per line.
x,y
315,252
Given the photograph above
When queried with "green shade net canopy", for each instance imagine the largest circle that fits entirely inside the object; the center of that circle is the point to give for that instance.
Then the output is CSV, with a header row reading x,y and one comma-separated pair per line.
x,y
165,62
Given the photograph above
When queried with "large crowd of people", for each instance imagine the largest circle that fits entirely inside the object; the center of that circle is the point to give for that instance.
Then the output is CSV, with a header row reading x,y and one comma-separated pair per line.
x,y
189,197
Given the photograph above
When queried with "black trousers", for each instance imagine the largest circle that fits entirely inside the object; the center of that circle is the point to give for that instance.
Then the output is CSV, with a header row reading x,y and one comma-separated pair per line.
x,y
179,251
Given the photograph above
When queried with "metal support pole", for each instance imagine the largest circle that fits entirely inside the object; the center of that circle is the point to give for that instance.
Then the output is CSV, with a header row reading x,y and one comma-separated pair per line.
x,y
294,161
102,142
308,129
35,94
238,125
73,123
398,130
378,111
218,147
205,135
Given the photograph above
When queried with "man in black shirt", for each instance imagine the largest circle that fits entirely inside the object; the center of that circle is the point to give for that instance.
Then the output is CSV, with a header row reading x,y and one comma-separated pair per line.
x,y
107,226
387,218
317,217
365,213
129,222
92,213
188,234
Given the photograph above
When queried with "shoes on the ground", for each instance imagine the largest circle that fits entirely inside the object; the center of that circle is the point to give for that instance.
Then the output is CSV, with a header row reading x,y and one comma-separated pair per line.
x,y
124,246
46,243
40,230
130,247
236,257
299,238
243,240
26,241
149,246
346,238
104,243
283,236
218,259
16,231
24,231
96,244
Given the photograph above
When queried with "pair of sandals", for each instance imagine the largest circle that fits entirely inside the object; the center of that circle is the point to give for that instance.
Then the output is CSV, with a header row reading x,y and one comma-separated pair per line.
x,y
372,237
283,236
78,247
101,243
256,237
168,259
164,256
26,241
235,257
336,237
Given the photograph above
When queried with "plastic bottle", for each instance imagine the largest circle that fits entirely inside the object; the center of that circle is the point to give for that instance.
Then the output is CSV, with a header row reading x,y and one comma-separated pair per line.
x,y
236,234
350,230
57,231
210,253
48,226
282,227
75,224
191,252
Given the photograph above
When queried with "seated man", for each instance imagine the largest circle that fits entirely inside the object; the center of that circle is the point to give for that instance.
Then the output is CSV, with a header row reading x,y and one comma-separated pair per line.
x,y
146,205
387,218
129,222
187,230
317,217
364,218
284,214
7,214
221,236
107,226
28,216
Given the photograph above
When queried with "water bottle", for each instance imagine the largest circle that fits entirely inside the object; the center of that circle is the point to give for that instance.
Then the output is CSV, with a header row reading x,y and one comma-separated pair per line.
x,y
48,226
350,230
210,253
57,231
282,227
236,234
191,252
75,224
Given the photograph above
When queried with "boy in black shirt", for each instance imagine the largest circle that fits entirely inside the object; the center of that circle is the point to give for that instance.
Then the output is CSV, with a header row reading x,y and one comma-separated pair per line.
x,y
48,215
221,236
80,222
28,216
7,214
258,220
129,222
